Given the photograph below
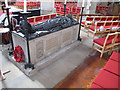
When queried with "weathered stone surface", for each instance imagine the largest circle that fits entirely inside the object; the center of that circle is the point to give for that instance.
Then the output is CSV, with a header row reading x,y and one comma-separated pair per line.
x,y
75,33
32,47
51,43
66,36
39,49
22,43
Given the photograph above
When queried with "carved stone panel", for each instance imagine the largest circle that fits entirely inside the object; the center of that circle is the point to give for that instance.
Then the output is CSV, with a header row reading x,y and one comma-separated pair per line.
x,y
39,49
51,43
66,36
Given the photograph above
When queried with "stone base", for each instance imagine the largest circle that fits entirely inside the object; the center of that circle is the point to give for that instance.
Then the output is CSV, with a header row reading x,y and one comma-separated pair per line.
x,y
46,49
44,46
46,61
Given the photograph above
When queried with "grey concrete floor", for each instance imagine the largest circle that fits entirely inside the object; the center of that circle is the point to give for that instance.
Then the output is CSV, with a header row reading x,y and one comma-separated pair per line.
x,y
49,76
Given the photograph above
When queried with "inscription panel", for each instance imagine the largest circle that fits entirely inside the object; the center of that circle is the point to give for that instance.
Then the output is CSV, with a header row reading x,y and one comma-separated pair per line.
x,y
39,49
51,43
66,36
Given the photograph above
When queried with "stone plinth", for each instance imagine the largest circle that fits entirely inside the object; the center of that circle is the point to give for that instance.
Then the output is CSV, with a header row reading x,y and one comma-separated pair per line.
x,y
41,48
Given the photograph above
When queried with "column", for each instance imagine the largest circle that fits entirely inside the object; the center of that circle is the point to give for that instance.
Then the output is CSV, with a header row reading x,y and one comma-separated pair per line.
x,y
92,7
79,3
47,6
88,6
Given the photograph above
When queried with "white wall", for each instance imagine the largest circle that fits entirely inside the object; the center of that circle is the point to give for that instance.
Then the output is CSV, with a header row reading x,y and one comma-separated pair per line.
x,y
47,4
